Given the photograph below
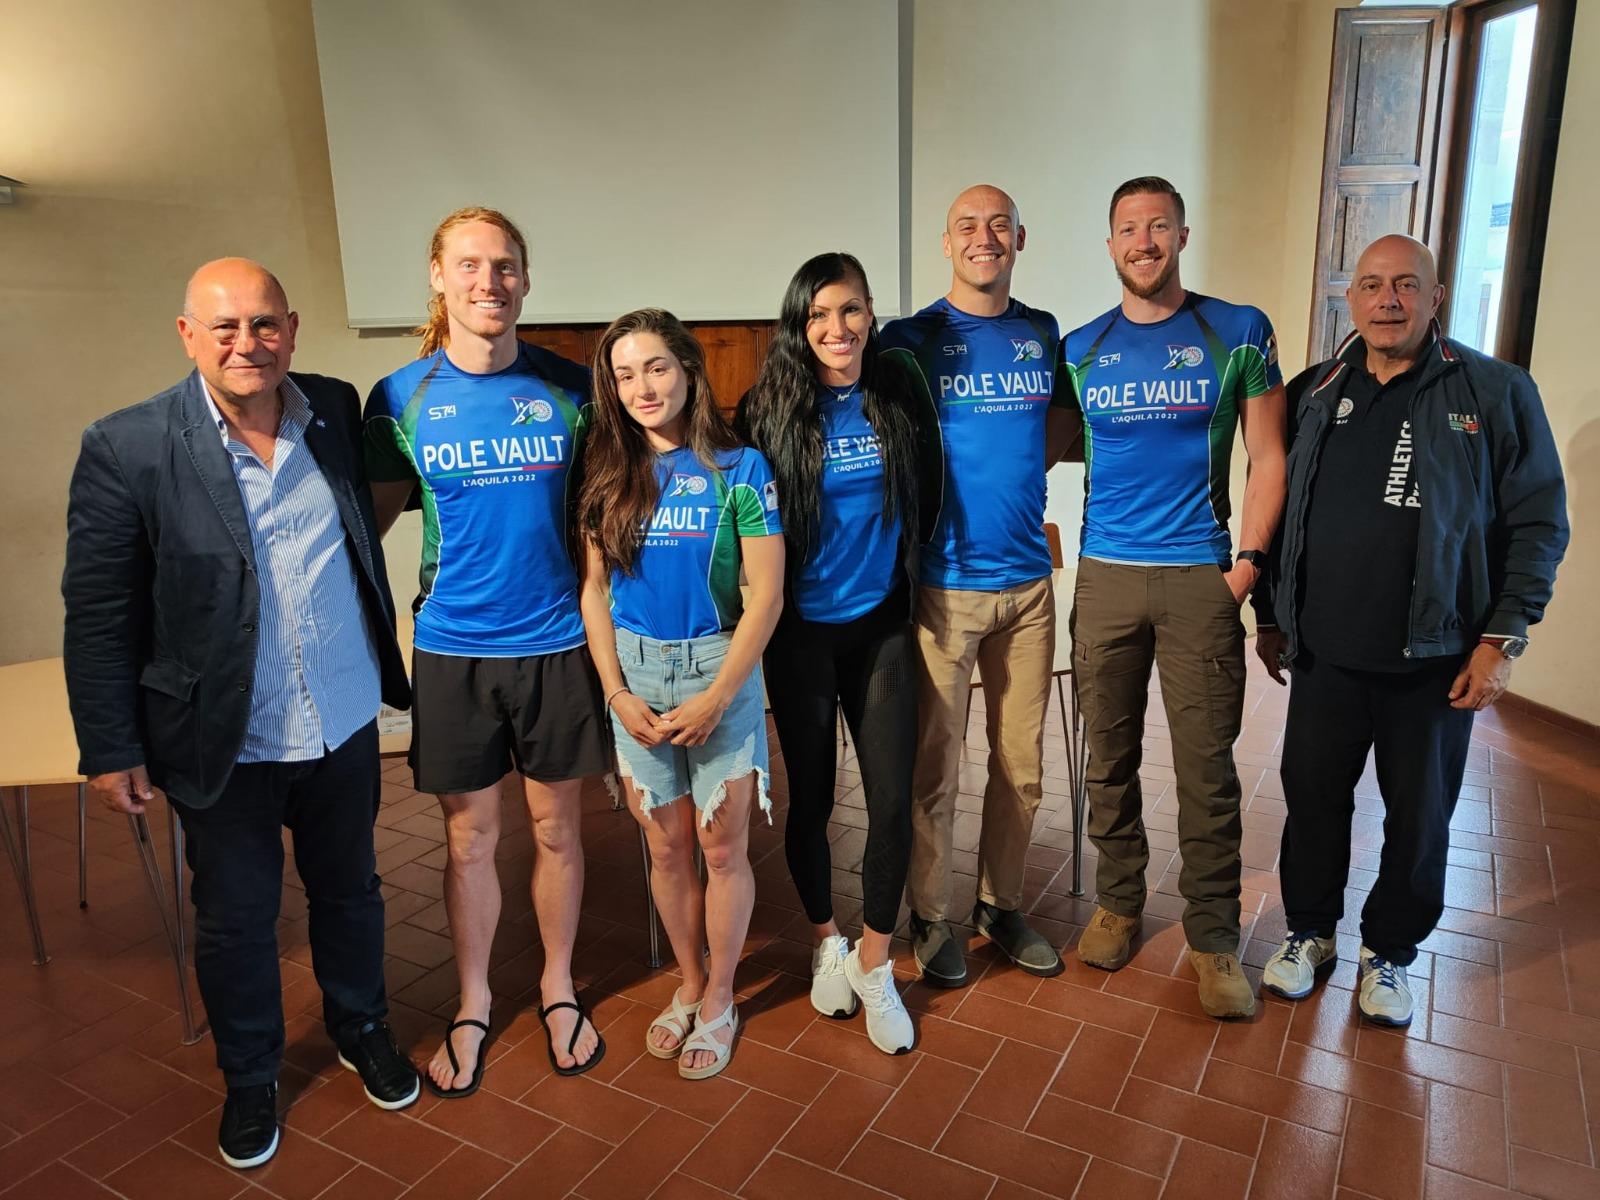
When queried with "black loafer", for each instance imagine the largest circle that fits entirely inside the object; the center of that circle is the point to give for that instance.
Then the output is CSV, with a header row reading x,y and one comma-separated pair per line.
x,y
390,1079
938,953
248,1135
1016,939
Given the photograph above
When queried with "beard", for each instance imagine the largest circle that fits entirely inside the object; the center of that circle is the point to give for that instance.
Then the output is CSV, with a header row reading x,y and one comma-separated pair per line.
x,y
1145,290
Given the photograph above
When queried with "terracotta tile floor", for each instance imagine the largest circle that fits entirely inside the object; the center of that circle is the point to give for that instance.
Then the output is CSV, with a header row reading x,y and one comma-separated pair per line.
x,y
1086,1085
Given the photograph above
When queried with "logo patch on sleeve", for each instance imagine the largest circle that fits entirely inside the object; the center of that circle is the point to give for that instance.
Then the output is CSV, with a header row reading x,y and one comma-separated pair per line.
x,y
769,495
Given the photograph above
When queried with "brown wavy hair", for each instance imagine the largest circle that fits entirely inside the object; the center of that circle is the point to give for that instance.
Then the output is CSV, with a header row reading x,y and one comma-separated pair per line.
x,y
435,331
620,488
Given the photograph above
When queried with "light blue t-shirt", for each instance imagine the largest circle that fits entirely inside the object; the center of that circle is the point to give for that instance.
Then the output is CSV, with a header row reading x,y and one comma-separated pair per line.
x,y
851,567
685,578
1160,404
492,454
991,379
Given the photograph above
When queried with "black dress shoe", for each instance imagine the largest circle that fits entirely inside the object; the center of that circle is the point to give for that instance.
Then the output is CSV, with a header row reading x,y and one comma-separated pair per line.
x,y
249,1132
938,953
391,1081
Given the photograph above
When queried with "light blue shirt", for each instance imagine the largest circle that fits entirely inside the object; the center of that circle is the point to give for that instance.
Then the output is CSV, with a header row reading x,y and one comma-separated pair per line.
x,y
316,677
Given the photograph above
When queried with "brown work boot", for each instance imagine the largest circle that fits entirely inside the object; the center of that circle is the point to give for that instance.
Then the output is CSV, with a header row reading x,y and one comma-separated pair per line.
x,y
1108,941
1224,991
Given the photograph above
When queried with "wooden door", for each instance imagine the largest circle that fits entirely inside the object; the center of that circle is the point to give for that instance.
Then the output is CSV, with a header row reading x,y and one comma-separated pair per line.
x,y
1379,163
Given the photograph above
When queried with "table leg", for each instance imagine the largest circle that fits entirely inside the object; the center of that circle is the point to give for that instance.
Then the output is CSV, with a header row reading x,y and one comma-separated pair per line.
x,y
152,874
180,955
83,847
650,904
16,840
1072,731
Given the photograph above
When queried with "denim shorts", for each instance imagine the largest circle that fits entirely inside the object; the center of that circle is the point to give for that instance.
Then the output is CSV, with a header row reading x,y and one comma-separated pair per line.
x,y
664,675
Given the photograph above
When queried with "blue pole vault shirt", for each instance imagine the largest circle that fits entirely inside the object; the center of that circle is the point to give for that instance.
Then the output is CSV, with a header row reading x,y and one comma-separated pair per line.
x,y
491,454
1160,404
851,568
685,579
991,380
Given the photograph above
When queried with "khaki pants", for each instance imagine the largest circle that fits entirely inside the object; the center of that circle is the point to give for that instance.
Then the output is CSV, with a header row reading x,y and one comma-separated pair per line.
x,y
1185,620
1010,635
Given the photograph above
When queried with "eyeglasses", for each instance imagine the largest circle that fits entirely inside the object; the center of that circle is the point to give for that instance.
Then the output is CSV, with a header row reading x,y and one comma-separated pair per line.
x,y
268,329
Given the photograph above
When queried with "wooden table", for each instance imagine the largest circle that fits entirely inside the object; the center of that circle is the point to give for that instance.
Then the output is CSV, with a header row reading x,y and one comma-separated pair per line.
x,y
38,747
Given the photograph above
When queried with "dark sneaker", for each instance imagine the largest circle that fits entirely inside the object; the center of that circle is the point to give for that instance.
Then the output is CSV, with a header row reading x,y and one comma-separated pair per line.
x,y
248,1135
390,1079
1020,942
938,953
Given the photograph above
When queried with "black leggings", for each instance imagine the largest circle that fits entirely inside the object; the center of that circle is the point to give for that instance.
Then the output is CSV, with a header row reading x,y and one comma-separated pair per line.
x,y
866,667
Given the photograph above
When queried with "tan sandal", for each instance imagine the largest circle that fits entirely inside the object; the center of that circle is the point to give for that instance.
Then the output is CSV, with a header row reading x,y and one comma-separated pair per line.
x,y
677,1020
701,1039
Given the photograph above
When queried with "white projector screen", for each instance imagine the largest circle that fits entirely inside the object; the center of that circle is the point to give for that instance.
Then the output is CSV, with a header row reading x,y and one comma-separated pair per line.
x,y
682,153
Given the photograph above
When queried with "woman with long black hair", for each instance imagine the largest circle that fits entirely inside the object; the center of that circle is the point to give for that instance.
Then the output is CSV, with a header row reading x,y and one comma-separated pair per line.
x,y
853,439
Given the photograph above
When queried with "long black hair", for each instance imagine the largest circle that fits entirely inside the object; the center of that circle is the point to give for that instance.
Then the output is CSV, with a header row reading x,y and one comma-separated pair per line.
x,y
781,419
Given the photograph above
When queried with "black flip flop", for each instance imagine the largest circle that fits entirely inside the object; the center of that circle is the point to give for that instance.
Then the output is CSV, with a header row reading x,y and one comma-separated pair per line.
x,y
600,1042
461,1093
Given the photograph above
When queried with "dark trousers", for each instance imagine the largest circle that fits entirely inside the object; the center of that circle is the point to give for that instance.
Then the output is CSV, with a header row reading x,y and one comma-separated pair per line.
x,y
1419,744
235,851
1185,622
865,667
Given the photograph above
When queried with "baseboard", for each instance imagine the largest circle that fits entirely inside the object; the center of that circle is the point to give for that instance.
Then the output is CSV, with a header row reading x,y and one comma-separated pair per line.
x,y
1550,716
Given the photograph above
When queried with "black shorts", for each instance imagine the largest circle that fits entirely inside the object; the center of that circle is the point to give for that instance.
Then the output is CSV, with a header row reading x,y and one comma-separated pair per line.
x,y
474,718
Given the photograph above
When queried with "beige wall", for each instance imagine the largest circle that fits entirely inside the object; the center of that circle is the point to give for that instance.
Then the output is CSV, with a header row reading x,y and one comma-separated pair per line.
x,y
152,137
1564,662
175,137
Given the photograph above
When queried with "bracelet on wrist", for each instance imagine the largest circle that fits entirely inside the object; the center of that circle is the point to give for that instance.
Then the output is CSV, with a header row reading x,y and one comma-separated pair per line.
x,y
615,692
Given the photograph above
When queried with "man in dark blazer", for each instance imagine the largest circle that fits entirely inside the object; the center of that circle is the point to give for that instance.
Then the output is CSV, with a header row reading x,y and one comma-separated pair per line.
x,y
229,633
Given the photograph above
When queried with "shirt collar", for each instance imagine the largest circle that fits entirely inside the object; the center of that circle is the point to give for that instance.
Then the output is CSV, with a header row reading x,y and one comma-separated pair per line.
x,y
296,411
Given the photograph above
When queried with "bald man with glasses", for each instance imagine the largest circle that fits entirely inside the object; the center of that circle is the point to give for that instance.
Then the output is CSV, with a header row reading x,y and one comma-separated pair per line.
x,y
229,635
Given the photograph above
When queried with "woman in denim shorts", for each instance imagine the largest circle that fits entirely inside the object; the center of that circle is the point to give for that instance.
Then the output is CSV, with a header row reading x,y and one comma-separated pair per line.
x,y
671,507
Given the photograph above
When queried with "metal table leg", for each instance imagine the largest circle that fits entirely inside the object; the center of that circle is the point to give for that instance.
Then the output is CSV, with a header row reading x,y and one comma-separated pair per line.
x,y
16,840
650,904
83,847
180,955
1072,731
175,941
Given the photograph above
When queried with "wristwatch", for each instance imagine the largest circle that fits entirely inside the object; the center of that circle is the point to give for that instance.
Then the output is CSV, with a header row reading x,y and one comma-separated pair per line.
x,y
1256,558
1511,647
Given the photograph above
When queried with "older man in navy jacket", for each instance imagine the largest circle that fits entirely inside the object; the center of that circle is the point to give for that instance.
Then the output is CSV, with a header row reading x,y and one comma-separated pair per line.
x,y
229,633
1426,516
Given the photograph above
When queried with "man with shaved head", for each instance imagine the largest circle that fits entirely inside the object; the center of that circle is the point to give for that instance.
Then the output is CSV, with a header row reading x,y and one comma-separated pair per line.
x,y
986,595
229,635
1425,519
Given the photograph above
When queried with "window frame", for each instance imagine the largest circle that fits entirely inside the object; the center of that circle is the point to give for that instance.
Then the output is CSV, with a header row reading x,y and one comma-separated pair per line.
x,y
1541,127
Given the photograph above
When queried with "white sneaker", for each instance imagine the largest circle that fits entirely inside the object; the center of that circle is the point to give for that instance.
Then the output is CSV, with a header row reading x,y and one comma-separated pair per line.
x,y
830,990
1292,969
1384,992
888,1024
